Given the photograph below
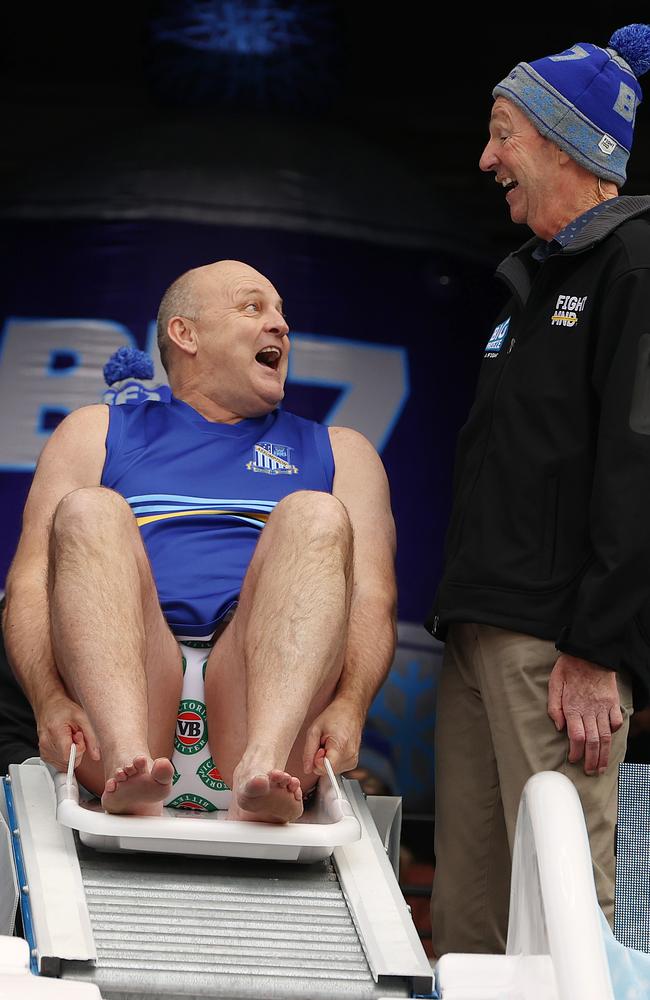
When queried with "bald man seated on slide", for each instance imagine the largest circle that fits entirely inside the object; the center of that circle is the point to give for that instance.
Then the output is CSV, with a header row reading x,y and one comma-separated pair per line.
x,y
135,532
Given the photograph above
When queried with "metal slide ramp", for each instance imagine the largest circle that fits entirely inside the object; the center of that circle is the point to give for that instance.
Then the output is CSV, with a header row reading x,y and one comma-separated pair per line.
x,y
143,925
248,929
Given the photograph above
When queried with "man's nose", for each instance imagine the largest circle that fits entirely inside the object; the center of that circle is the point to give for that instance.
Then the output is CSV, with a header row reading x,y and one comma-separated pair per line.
x,y
489,158
278,324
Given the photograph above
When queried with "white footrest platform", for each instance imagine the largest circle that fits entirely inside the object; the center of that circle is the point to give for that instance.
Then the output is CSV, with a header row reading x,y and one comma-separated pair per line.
x,y
329,822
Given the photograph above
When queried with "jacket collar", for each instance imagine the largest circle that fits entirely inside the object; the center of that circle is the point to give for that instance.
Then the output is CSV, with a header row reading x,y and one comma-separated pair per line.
x,y
517,270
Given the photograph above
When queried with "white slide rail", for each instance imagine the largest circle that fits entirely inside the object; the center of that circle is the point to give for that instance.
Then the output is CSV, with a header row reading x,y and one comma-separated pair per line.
x,y
553,904
555,948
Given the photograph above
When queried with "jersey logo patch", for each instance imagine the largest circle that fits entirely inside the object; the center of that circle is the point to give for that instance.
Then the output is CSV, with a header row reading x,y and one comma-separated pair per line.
x,y
273,459
495,343
567,310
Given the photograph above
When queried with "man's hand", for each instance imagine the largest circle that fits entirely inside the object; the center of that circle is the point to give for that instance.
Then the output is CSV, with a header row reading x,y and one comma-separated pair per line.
x,y
584,697
335,734
59,724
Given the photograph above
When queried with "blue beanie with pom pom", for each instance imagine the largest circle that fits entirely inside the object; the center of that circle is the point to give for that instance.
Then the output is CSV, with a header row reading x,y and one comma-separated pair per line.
x,y
127,362
129,373
585,98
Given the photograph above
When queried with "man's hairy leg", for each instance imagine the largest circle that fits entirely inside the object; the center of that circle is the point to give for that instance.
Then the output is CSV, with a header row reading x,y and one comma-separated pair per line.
x,y
276,666
113,649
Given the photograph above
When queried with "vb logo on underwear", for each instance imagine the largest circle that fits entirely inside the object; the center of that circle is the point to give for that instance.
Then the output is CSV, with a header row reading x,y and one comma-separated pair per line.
x,y
190,801
210,776
191,727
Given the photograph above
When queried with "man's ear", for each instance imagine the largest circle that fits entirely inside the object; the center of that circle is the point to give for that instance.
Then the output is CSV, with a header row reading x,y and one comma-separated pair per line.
x,y
182,332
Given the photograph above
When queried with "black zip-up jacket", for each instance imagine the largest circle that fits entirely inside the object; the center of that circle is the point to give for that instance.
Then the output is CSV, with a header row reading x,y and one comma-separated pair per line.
x,y
550,527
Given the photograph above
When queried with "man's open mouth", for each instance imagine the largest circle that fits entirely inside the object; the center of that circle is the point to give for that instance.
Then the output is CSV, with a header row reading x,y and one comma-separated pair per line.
x,y
509,185
269,357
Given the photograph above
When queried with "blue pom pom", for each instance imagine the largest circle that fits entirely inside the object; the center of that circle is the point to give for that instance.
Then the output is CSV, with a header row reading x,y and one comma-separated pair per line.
x,y
127,362
633,43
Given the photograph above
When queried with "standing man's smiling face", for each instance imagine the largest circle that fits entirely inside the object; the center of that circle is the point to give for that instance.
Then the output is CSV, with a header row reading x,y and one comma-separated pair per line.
x,y
526,164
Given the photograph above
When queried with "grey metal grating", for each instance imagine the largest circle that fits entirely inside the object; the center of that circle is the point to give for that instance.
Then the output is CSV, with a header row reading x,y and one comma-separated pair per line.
x,y
185,927
632,905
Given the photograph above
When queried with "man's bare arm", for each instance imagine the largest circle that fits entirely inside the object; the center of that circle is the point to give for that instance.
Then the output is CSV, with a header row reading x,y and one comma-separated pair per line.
x,y
72,458
360,483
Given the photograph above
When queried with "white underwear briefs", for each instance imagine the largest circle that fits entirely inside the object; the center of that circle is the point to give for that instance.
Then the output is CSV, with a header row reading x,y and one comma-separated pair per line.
x,y
197,782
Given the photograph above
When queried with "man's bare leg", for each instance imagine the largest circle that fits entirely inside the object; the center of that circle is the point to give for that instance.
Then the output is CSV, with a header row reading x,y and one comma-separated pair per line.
x,y
109,636
276,666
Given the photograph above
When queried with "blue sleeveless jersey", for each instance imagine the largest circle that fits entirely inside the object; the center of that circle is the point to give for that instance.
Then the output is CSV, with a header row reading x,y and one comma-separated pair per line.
x,y
201,492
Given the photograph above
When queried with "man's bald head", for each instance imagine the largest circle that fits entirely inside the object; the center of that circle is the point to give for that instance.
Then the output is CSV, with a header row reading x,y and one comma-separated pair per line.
x,y
187,296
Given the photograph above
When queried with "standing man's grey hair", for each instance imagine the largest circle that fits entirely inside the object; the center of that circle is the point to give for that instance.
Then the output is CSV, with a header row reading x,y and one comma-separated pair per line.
x,y
180,299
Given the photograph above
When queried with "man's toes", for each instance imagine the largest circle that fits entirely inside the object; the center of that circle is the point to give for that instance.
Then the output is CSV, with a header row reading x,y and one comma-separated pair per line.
x,y
256,786
296,790
140,763
129,769
120,774
162,771
111,785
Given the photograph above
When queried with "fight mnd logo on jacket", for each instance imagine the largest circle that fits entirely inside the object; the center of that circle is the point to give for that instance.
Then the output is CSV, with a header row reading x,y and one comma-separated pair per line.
x,y
567,310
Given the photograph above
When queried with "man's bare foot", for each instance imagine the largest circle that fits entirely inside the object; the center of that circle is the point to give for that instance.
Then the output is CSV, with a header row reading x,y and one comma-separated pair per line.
x,y
139,788
274,797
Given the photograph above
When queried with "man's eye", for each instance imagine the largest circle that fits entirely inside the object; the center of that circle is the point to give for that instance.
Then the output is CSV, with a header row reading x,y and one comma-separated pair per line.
x,y
252,307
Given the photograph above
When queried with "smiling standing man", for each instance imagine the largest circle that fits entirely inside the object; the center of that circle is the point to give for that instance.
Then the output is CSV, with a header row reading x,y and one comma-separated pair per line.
x,y
544,600
216,515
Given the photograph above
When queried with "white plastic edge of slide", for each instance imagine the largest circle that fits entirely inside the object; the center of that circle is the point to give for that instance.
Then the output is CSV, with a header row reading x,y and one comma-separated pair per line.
x,y
553,906
339,824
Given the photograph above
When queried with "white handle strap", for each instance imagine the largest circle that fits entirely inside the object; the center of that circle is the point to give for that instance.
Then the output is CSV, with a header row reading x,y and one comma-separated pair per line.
x,y
71,763
332,777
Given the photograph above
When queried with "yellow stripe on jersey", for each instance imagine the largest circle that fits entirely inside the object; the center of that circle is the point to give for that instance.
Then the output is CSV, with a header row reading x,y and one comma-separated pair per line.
x,y
253,515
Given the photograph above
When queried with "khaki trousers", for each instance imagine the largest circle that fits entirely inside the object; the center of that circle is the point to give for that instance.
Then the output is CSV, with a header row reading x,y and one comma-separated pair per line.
x,y
492,734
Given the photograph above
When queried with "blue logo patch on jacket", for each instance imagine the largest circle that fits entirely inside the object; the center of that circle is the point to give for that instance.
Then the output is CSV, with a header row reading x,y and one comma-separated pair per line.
x,y
499,334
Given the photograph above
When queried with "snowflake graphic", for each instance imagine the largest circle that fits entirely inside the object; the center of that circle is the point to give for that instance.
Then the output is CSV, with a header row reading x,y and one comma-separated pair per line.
x,y
258,53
